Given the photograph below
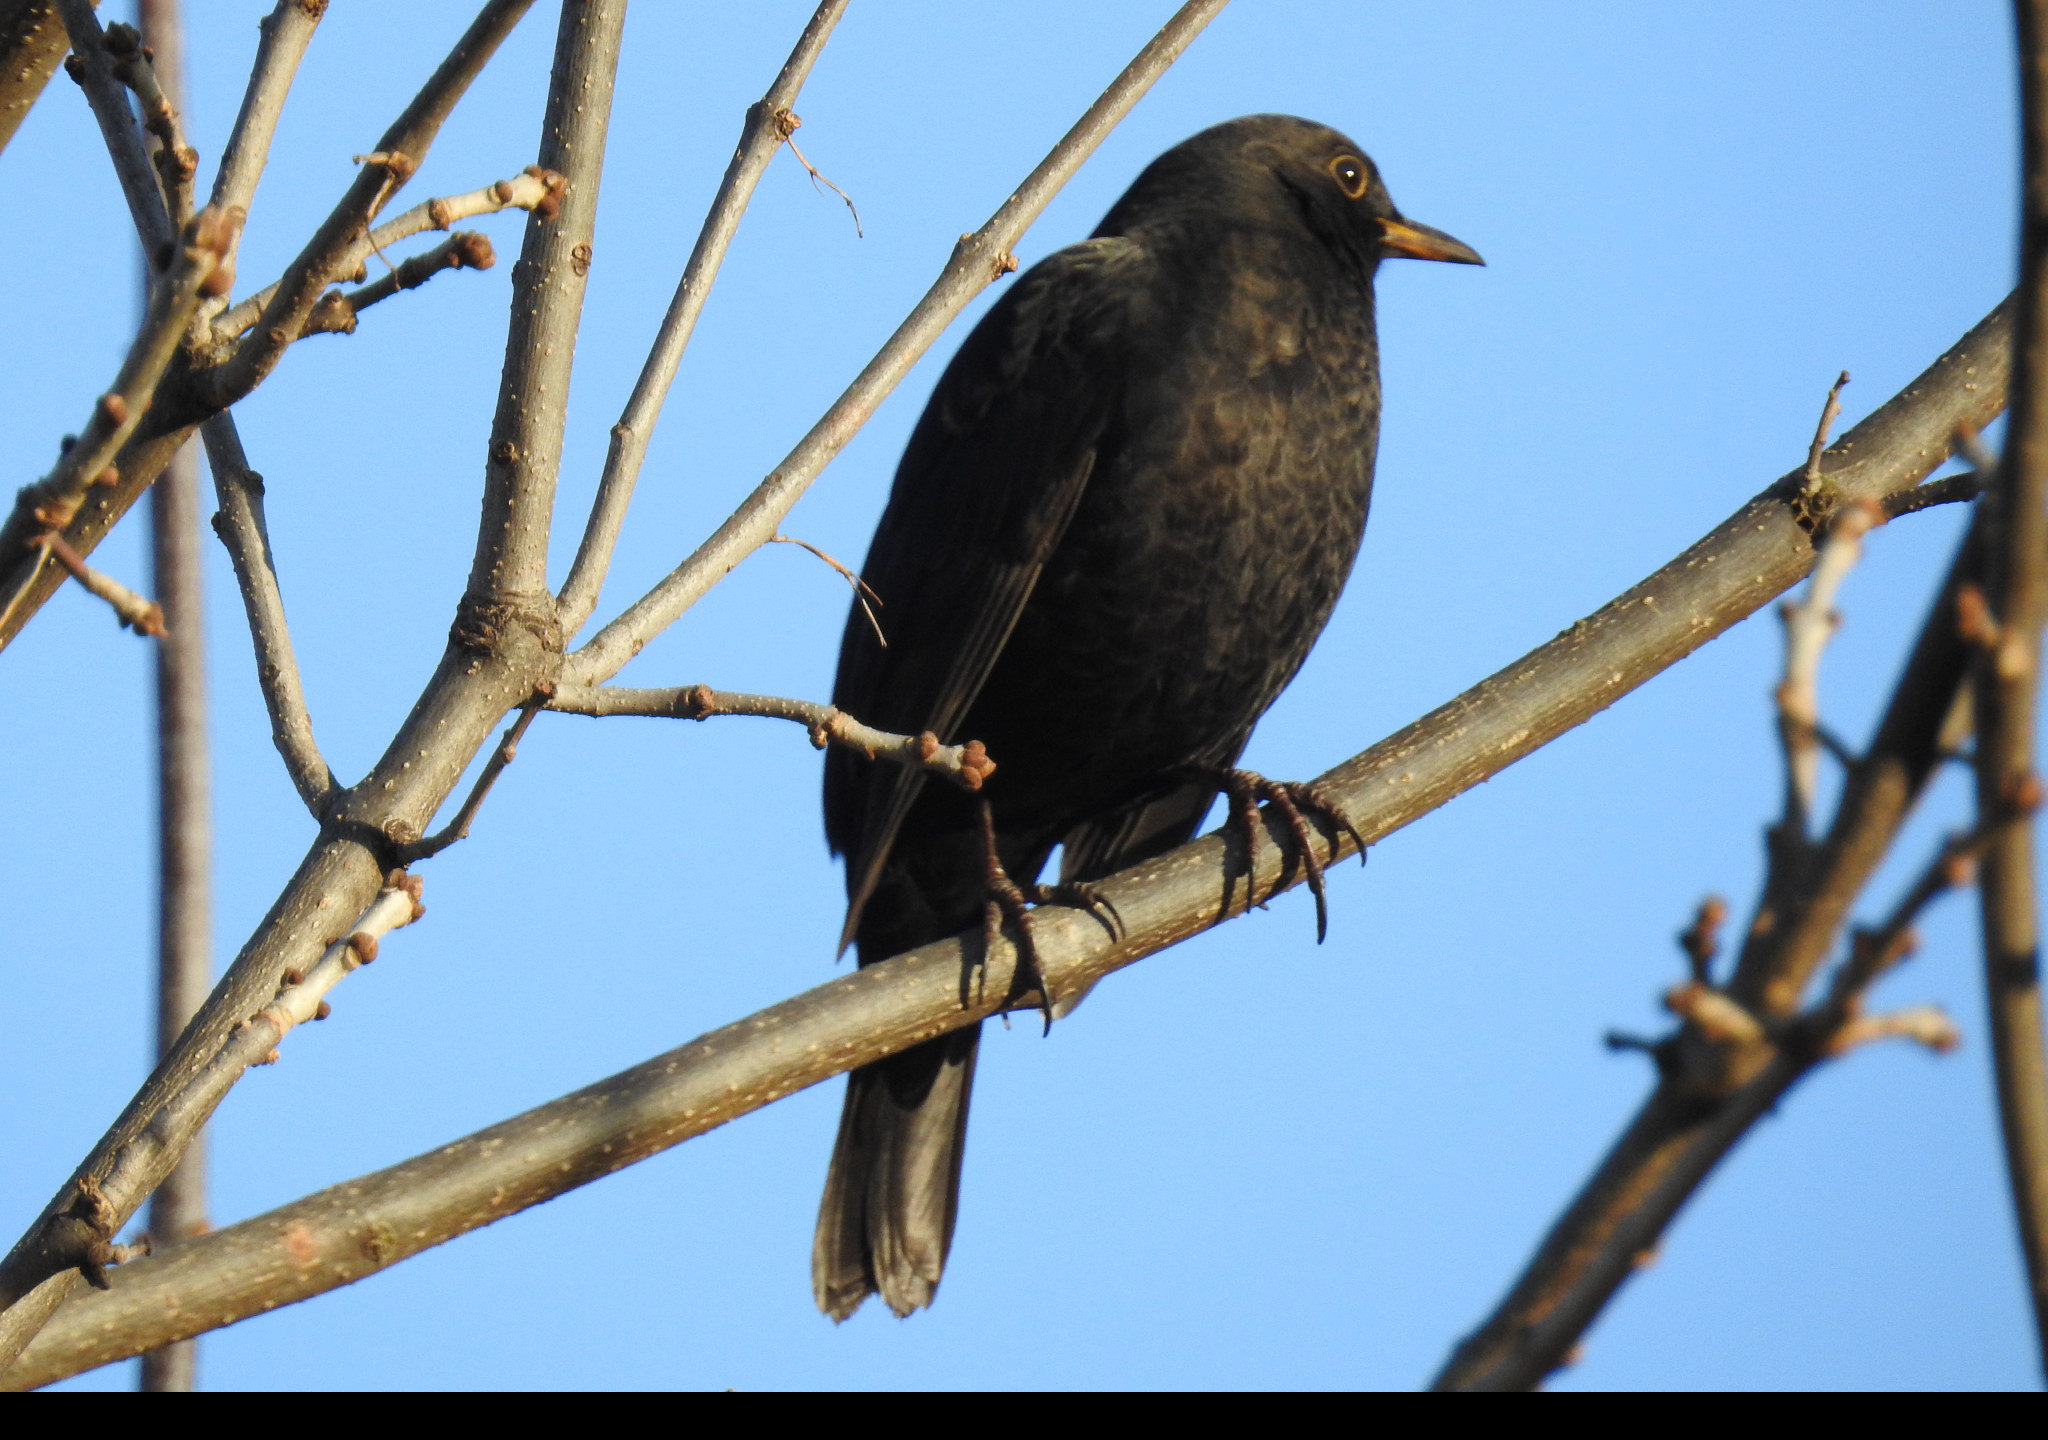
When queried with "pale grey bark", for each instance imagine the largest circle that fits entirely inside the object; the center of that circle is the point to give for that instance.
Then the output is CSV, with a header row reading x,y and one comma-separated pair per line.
x,y
353,1229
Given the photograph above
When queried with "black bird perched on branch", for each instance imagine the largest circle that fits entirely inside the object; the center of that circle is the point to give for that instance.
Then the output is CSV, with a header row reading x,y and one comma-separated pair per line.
x,y
1120,524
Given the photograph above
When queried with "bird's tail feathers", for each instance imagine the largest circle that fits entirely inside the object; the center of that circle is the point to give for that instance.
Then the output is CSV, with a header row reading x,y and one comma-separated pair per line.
x,y
891,1195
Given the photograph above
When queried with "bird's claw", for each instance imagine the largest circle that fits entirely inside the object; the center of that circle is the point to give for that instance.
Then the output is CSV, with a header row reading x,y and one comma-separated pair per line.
x,y
1295,801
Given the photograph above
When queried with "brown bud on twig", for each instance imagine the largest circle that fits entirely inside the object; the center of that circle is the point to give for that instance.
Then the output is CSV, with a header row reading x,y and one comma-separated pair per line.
x,y
364,944
1973,616
1701,941
113,408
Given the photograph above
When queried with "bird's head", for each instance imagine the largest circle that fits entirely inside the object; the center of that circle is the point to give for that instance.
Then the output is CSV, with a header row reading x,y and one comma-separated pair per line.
x,y
1285,170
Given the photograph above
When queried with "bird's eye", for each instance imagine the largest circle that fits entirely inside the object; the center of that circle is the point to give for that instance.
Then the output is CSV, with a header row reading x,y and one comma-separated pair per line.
x,y
1349,173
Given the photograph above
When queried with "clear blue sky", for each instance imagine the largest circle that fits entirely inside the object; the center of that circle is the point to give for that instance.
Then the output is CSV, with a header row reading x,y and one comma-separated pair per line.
x,y
1249,1162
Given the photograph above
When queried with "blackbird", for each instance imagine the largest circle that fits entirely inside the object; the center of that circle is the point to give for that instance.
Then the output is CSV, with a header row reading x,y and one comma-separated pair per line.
x,y
1120,524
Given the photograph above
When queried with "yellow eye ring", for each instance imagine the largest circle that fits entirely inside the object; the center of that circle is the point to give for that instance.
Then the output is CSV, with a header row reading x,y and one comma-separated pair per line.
x,y
1351,176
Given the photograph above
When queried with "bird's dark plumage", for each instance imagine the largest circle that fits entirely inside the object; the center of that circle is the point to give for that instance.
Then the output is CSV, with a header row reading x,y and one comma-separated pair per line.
x,y
1120,524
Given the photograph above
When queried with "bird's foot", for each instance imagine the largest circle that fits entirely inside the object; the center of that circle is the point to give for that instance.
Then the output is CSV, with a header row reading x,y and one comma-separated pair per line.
x,y
1080,895
1295,802
1004,899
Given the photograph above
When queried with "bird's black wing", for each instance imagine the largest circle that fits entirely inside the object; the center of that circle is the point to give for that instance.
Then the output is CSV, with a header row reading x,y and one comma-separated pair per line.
x,y
994,470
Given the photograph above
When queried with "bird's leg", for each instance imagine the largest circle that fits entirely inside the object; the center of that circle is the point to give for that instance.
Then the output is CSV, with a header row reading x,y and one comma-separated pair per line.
x,y
1004,899
1246,788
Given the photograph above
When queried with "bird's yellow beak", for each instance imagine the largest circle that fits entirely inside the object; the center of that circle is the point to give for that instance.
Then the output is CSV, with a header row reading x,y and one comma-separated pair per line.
x,y
1423,242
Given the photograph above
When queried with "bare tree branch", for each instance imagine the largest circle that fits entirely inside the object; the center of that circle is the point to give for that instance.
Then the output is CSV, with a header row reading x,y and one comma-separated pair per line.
x,y
2007,701
93,68
354,1229
135,65
136,612
964,765
1743,1045
140,462
760,138
337,311
81,1236
397,156
511,561
497,656
53,502
978,260
286,31
239,524
536,189
32,43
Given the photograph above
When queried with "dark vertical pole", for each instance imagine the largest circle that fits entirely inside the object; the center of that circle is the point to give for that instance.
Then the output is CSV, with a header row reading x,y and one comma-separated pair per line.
x,y
184,775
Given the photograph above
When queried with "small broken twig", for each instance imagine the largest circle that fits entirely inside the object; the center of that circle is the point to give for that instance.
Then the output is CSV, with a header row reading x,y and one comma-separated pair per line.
x,y
143,616
787,122
862,591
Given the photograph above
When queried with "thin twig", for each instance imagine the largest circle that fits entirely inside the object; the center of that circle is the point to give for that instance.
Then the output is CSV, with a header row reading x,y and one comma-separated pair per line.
x,y
505,754
760,138
789,121
176,162
1756,554
92,67
863,593
325,257
51,503
536,189
965,765
337,311
1948,490
1809,624
239,524
135,612
2007,696
978,261
1828,412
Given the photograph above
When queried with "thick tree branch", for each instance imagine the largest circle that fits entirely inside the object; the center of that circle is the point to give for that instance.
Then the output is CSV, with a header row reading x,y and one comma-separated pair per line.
x,y
760,138
32,44
2007,694
239,524
964,765
547,304
385,170
978,261
364,1225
